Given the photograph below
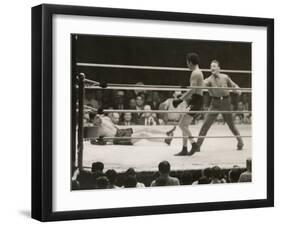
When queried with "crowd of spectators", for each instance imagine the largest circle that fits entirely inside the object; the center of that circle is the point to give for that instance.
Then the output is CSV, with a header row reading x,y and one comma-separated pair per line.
x,y
98,179
156,100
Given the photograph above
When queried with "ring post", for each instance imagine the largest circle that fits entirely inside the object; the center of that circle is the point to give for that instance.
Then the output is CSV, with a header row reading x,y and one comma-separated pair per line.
x,y
81,78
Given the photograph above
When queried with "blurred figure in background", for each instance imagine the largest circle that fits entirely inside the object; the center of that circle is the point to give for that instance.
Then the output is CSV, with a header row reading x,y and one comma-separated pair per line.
x,y
130,182
102,182
139,106
153,99
207,174
220,120
165,179
131,173
111,176
245,118
234,174
132,104
90,99
247,175
119,100
115,118
127,119
238,120
186,178
148,119
216,175
172,118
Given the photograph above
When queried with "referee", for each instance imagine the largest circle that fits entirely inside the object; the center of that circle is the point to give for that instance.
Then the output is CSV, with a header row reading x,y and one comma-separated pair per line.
x,y
220,102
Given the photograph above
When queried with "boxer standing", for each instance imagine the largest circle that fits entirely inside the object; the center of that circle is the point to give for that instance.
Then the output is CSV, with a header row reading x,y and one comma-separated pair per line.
x,y
194,100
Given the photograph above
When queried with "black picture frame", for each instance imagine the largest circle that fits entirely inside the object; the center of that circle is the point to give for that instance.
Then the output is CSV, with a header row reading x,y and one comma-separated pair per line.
x,y
42,111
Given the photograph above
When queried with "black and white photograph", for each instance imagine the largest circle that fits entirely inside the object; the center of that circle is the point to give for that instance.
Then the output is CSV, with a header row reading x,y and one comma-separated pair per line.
x,y
150,112
141,112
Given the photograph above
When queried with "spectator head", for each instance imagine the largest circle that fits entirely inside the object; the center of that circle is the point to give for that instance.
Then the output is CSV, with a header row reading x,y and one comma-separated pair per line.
x,y
139,101
120,93
207,172
176,94
111,175
164,167
84,179
192,59
115,118
240,106
186,178
245,98
220,118
215,67
130,182
128,117
237,120
216,172
131,172
203,180
234,174
147,108
97,121
249,164
155,96
102,182
97,167
119,98
132,103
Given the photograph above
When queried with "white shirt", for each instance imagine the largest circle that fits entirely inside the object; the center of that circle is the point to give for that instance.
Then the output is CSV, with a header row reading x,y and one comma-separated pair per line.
x,y
149,121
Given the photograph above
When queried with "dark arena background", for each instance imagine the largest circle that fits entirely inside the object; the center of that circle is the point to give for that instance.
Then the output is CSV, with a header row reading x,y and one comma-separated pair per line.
x,y
91,54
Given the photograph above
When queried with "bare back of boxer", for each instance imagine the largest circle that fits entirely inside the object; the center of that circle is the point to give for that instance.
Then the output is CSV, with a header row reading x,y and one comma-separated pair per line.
x,y
194,99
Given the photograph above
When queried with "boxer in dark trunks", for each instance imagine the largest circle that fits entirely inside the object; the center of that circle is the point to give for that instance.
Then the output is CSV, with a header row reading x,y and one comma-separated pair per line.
x,y
194,100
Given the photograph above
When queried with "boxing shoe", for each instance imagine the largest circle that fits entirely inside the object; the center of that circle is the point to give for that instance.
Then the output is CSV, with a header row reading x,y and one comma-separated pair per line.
x,y
195,147
184,150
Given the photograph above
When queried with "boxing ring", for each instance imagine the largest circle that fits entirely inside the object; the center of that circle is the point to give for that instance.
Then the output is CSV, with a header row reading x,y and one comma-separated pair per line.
x,y
145,154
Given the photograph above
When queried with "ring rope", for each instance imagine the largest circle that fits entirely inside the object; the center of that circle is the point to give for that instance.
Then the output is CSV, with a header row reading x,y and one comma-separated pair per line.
x,y
95,85
204,88
165,111
154,67
167,137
